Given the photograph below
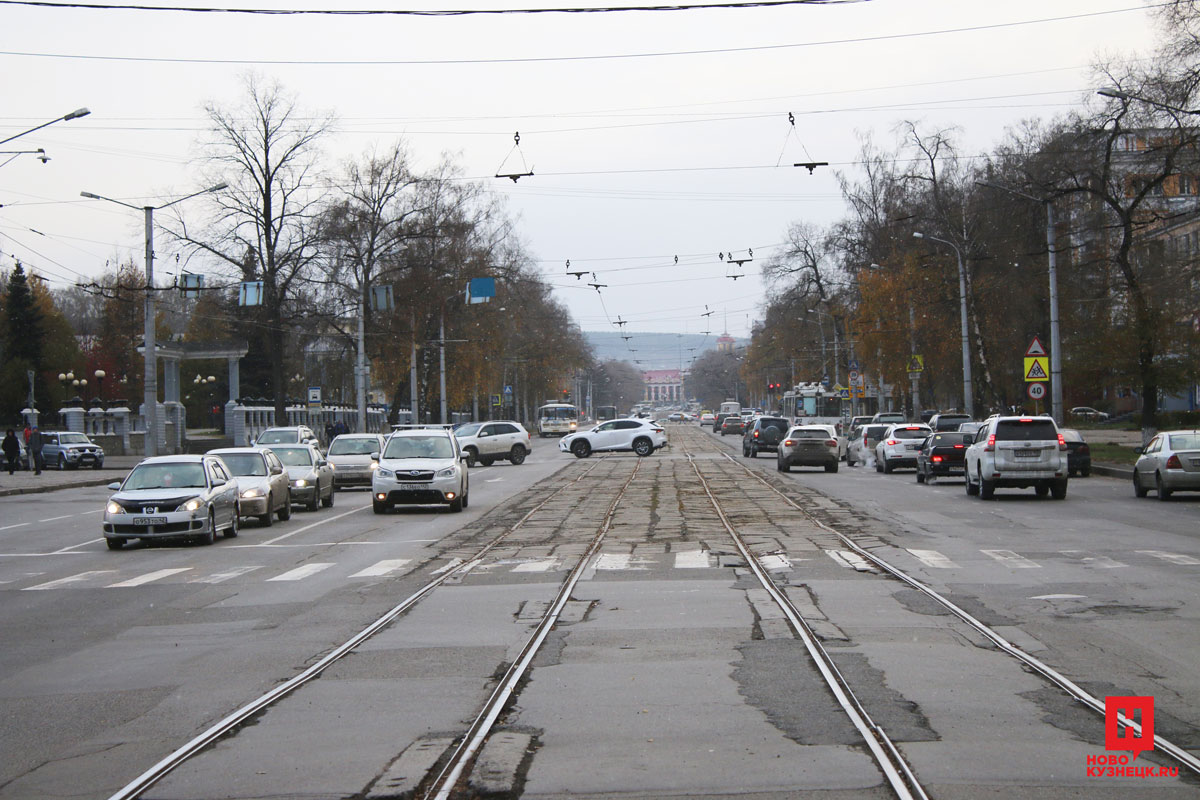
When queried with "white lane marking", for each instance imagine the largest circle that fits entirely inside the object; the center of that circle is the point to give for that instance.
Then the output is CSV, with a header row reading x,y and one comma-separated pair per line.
x,y
453,564
1010,559
314,524
94,511
848,558
692,559
83,576
221,577
18,525
382,568
72,547
149,577
613,561
493,480
545,565
298,546
1059,597
932,558
1097,562
56,519
300,573
1174,558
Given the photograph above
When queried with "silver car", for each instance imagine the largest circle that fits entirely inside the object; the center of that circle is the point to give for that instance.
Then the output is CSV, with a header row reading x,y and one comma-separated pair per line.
x,y
488,442
71,450
262,482
808,446
297,434
172,497
310,475
422,466
350,456
1170,462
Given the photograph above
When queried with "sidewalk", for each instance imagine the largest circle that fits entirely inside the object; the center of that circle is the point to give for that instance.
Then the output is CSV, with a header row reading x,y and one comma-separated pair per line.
x,y
26,482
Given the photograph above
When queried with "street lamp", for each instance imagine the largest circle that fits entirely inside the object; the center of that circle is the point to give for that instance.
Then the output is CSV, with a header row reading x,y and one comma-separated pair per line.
x,y
968,400
150,393
76,114
1056,388
100,375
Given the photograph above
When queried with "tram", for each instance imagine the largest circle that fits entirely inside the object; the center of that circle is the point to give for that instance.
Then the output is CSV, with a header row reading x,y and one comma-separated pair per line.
x,y
557,419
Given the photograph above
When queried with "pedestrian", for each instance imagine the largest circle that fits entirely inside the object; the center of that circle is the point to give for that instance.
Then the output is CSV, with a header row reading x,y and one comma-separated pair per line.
x,y
12,449
329,433
28,431
35,450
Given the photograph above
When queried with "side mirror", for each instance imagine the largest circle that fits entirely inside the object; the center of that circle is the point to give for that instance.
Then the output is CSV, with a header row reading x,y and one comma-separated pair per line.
x,y
115,486
464,458
375,456
968,439
218,482
276,470
322,462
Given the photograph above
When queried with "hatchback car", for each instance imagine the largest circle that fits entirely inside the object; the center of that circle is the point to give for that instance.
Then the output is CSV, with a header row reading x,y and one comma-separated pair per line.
x,y
898,447
310,476
172,497
763,435
807,446
1079,454
423,467
1018,452
949,421
1170,462
733,424
68,449
350,456
639,435
262,482
861,447
489,442
297,434
942,454
707,418
1084,412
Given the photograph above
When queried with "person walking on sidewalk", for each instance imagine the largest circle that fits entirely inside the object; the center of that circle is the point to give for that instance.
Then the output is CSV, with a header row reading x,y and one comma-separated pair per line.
x,y
35,451
12,449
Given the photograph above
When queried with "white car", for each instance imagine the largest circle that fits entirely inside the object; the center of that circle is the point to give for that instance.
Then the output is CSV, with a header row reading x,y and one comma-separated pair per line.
x,y
1020,452
488,442
350,456
898,447
808,446
862,443
420,466
639,435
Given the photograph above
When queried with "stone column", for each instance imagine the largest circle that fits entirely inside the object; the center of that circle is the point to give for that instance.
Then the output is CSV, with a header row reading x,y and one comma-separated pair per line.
x,y
235,391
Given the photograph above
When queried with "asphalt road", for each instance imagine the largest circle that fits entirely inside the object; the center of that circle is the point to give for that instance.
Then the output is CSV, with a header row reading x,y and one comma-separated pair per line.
x,y
668,675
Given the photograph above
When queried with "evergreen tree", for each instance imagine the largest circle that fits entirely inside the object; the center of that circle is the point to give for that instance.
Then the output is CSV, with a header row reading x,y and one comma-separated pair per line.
x,y
25,321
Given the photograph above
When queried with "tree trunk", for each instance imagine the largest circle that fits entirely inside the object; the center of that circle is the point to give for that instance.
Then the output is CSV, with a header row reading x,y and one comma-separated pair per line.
x,y
1145,322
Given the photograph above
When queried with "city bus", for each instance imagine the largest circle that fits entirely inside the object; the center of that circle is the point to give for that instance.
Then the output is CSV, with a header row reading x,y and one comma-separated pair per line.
x,y
557,419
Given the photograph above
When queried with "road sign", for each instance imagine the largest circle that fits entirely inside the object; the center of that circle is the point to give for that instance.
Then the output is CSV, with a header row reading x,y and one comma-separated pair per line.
x,y
314,397
508,391
496,400
854,377
825,380
916,363
1037,368
843,393
853,365
1036,391
1035,348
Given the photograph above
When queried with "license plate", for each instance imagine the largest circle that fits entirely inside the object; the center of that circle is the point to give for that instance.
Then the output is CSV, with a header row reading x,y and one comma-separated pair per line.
x,y
412,487
1027,453
911,446
149,520
1196,462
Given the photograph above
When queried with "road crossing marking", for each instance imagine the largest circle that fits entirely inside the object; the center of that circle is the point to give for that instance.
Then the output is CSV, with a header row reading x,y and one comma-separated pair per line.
x,y
300,573
850,560
1096,562
544,565
692,559
1010,559
83,576
1174,558
932,558
382,568
774,562
221,577
613,561
149,577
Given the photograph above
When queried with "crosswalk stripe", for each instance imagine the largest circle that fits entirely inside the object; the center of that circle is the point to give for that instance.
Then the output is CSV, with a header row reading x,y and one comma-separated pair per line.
x,y
850,560
149,577
1097,562
300,573
1174,558
932,558
83,576
221,577
613,561
692,559
774,562
382,568
545,565
1010,559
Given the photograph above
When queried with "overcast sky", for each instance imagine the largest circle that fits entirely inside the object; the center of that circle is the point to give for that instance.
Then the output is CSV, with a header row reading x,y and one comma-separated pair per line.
x,y
651,135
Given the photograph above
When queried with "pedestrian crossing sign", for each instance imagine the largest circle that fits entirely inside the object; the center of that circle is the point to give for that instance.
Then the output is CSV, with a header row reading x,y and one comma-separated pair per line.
x,y
916,363
1037,368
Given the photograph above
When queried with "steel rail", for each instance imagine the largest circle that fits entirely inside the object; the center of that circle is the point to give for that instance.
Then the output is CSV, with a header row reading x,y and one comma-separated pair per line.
x,y
1045,670
178,756
895,768
479,730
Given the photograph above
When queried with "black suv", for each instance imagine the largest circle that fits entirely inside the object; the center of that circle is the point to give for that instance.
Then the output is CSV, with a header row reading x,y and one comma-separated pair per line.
x,y
763,435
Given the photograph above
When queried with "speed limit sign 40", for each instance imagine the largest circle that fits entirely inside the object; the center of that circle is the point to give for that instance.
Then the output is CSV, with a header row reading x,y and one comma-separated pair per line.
x,y
1036,391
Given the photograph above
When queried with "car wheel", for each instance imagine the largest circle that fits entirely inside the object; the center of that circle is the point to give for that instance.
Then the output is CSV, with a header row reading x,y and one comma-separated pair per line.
x,y
1058,489
62,462
115,544
1085,472
379,506
516,456
831,467
753,451
850,462
972,489
987,489
1138,489
232,531
878,465
887,468
466,496
472,456
1163,492
1041,490
98,465
920,476
328,501
785,465
745,451
267,520
210,535
314,504
456,505
643,447
487,461
581,448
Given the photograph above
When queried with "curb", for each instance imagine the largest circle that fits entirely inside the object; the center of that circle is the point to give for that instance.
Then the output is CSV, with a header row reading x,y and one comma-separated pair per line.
x,y
56,487
1112,471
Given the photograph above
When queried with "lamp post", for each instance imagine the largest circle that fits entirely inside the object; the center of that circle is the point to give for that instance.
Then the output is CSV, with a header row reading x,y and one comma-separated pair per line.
x,y
76,114
836,374
1056,387
100,375
150,394
968,399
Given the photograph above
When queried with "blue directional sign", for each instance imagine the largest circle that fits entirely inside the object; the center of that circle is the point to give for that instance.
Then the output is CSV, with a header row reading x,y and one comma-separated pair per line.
x,y
508,391
853,366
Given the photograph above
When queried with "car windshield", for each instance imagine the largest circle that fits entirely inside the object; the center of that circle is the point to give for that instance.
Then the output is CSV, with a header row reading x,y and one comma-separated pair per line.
x,y
419,447
1036,428
910,433
245,464
947,439
559,413
73,438
875,431
469,430
278,437
166,476
354,447
294,456
1070,435
1185,441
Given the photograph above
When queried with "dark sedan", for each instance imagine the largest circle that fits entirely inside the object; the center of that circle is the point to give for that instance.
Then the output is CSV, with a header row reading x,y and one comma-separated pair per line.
x,y
763,435
943,455
734,424
1079,455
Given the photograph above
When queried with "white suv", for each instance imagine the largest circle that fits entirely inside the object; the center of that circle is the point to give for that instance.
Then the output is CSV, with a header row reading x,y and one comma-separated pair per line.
x,y
421,466
1018,452
639,435
488,442
898,447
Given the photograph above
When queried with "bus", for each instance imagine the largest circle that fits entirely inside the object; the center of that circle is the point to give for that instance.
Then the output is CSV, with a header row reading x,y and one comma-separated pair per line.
x,y
605,413
557,419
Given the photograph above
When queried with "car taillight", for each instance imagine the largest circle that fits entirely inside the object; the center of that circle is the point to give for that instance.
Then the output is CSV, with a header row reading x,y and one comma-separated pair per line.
x,y
788,442
1174,463
657,430
959,446
892,441
756,434
1083,448
936,459
991,443
831,443
1062,443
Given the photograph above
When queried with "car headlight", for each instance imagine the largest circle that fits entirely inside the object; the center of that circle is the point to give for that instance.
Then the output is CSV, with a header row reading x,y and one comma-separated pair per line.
x,y
448,472
114,508
384,473
300,483
250,494
193,505
374,465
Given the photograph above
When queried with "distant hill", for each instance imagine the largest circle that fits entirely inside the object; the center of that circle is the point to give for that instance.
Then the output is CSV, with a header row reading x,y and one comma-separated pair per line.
x,y
654,350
